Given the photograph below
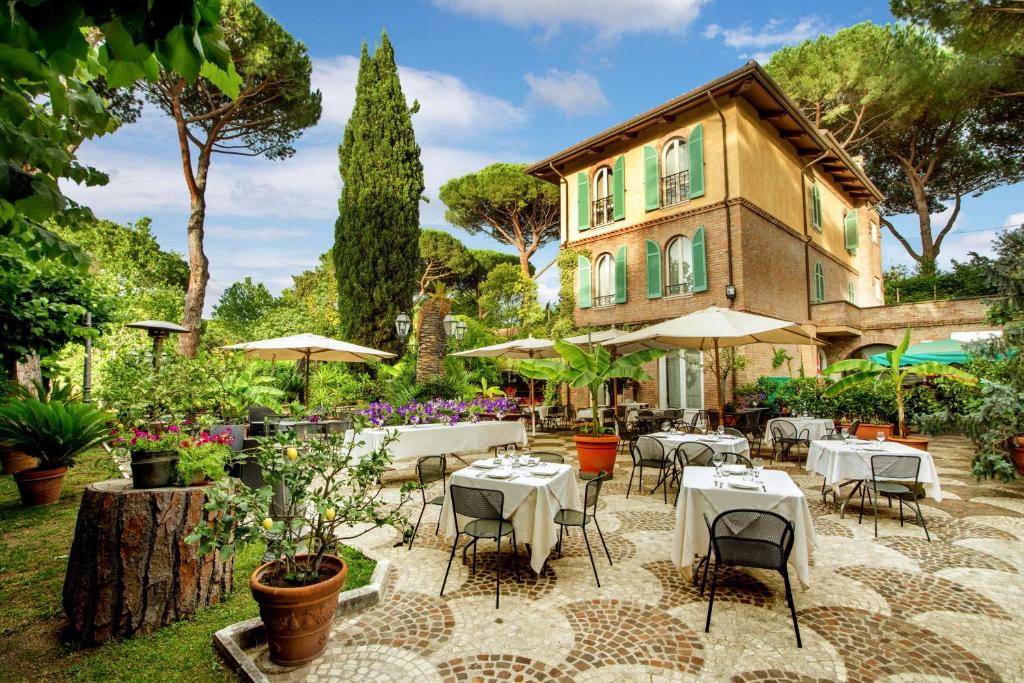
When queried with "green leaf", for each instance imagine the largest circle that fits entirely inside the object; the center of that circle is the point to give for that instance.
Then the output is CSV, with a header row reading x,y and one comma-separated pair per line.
x,y
850,381
228,82
854,365
936,369
16,62
178,53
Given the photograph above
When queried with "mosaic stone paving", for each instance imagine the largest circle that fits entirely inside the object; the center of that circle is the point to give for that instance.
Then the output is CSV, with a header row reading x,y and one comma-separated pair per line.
x,y
895,608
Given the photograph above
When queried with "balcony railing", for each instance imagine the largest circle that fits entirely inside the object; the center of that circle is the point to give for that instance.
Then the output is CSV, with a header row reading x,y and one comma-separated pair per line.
x,y
678,288
607,300
675,188
603,210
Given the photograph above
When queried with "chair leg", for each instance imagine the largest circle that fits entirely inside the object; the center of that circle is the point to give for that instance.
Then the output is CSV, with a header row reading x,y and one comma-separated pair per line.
x,y
630,484
593,565
711,600
558,547
707,563
901,508
515,562
874,506
920,517
417,528
474,554
607,554
450,558
497,578
437,529
792,607
860,517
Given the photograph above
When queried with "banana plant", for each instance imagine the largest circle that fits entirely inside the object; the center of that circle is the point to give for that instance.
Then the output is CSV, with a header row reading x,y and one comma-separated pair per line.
x,y
865,371
579,367
485,390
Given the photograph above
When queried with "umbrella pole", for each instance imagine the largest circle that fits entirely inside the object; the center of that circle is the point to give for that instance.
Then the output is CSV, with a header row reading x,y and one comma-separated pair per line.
x,y
533,409
721,387
305,392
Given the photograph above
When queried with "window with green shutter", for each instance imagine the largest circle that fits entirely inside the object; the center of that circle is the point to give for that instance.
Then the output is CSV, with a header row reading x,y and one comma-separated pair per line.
x,y
653,270
816,207
851,292
695,144
620,276
583,201
583,298
651,198
700,262
819,283
619,189
850,231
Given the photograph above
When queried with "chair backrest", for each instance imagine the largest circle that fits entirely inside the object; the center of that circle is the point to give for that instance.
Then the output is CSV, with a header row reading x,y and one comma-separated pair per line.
x,y
338,426
693,453
713,419
645,413
833,437
620,424
854,427
506,446
895,467
783,429
732,431
752,538
305,430
670,413
646,448
741,459
556,411
592,492
548,456
476,503
259,413
430,468
237,434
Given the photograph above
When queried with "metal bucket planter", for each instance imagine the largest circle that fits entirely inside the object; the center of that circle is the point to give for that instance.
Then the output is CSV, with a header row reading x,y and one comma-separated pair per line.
x,y
154,469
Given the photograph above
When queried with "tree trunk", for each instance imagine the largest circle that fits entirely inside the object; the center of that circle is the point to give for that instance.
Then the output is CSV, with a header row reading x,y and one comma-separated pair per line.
x,y
924,223
198,273
130,570
524,262
431,342
28,372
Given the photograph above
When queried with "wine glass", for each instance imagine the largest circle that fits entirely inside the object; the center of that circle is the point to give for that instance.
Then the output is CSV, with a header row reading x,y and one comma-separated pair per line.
x,y
758,465
845,433
717,459
880,435
499,455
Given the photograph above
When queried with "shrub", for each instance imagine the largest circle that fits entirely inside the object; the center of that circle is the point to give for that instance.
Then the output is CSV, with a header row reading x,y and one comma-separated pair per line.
x,y
55,432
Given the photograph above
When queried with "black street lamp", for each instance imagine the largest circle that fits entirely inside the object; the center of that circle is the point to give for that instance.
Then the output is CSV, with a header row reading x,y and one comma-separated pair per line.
x,y
402,325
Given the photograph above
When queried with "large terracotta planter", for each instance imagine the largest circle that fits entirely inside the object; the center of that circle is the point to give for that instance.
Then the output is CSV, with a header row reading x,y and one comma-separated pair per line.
x,y
918,442
867,430
155,469
39,486
297,621
597,453
1017,455
14,461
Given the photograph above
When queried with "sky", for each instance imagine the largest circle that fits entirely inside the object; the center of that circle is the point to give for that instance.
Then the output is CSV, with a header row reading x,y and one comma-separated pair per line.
x,y
496,81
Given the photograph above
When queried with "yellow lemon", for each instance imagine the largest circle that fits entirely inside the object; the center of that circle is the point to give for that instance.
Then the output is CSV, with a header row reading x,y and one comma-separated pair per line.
x,y
291,453
329,514
268,523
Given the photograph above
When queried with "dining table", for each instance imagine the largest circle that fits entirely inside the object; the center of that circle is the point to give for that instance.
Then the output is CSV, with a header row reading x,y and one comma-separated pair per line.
x,y
727,445
816,428
848,461
703,494
533,495
415,441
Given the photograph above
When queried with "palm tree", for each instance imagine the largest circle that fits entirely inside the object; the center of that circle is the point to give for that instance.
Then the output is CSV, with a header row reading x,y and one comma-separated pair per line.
x,y
431,340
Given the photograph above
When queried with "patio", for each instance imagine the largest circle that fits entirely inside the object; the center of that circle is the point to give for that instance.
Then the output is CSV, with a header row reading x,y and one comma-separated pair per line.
x,y
896,608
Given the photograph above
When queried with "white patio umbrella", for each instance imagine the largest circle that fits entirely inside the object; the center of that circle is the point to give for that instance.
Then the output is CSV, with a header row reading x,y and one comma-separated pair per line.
x,y
712,329
517,348
308,347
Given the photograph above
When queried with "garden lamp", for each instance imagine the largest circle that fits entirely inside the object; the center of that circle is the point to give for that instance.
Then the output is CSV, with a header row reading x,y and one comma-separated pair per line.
x,y
402,325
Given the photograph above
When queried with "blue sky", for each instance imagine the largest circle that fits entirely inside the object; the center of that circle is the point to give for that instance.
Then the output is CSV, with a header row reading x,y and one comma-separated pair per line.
x,y
497,81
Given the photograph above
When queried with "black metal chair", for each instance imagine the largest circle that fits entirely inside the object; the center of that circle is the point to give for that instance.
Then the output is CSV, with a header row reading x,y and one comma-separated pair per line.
x,y
484,506
696,454
548,456
555,419
646,451
713,419
237,435
853,429
257,420
752,538
786,437
645,421
429,468
567,517
885,469
732,431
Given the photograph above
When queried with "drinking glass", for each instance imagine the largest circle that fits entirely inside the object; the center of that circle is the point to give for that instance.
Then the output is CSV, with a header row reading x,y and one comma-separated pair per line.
x,y
758,465
499,455
717,459
512,452
881,438
845,433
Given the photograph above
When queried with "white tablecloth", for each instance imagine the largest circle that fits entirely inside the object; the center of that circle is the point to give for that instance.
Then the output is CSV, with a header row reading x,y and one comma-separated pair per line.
x,y
700,495
816,427
415,441
727,445
530,504
839,461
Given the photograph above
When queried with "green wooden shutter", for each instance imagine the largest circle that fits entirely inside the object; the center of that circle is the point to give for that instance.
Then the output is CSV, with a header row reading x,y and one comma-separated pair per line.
x,y
653,270
851,232
619,189
816,207
651,189
700,262
620,275
851,293
696,147
584,299
819,283
583,201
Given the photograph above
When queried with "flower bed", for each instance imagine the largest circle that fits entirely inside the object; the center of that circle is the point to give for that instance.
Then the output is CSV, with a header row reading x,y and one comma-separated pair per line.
x,y
436,411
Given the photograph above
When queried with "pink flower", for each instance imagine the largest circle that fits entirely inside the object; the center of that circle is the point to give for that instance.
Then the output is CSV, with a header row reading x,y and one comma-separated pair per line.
x,y
173,428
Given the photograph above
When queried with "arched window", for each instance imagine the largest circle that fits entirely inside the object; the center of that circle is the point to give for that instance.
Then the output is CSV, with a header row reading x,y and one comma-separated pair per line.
x,y
679,266
604,280
675,172
603,200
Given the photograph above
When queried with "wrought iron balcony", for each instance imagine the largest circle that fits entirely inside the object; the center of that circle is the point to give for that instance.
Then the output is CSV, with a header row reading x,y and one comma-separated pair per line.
x,y
603,210
675,188
678,288
607,300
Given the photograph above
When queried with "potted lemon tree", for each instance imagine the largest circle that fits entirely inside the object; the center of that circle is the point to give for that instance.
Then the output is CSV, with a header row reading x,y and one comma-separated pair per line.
x,y
330,491
596,446
864,372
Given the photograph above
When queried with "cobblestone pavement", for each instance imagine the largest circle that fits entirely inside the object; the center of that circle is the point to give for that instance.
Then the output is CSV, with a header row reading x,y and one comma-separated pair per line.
x,y
893,609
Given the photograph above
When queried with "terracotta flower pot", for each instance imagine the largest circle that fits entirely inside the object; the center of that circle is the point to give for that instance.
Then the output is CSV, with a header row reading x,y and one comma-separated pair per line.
x,y
39,486
597,453
1017,455
868,430
297,621
918,442
153,469
14,461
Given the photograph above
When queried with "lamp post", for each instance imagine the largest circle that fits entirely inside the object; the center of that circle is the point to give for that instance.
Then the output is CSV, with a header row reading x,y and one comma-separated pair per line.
x,y
453,327
402,325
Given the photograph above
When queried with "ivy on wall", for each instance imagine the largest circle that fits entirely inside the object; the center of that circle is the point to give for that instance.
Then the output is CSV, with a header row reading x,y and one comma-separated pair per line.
x,y
564,324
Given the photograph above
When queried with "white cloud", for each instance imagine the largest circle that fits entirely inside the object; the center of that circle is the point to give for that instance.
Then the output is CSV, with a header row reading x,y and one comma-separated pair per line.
x,y
548,285
573,92
611,18
1014,219
759,43
447,104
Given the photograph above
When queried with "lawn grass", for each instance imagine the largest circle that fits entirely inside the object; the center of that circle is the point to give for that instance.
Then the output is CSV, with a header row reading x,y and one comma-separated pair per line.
x,y
34,546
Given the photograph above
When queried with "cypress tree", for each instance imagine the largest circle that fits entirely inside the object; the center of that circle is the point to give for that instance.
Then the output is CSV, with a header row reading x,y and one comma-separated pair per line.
x,y
376,236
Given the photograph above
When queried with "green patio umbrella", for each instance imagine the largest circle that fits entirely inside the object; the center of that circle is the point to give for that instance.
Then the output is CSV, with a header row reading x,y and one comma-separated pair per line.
x,y
942,351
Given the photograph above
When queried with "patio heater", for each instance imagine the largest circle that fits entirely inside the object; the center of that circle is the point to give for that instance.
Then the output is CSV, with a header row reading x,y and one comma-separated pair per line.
x,y
158,331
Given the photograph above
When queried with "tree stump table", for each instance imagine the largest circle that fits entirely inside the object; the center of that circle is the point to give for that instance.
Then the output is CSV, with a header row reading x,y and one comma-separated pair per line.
x,y
130,570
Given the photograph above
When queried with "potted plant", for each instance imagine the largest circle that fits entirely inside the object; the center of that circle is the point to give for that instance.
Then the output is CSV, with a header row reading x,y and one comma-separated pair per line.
x,y
867,372
154,457
55,433
596,446
331,493
203,459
